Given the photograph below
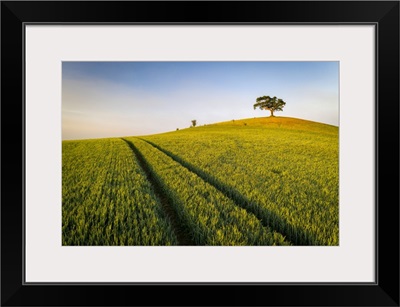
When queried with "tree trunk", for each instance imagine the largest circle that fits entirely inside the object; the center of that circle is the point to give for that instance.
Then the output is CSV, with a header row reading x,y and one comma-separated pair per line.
x,y
272,112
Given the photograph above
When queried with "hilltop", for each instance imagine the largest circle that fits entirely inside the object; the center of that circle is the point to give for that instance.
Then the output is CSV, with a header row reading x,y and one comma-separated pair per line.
x,y
285,123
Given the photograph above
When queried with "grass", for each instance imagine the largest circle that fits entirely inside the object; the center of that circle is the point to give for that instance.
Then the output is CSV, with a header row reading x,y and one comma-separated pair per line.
x,y
256,181
107,199
283,169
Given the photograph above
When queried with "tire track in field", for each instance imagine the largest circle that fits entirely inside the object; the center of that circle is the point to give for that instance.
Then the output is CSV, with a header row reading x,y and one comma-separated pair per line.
x,y
295,235
181,234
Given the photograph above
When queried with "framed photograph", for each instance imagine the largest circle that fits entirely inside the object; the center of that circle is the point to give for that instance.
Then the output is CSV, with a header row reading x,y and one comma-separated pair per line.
x,y
239,146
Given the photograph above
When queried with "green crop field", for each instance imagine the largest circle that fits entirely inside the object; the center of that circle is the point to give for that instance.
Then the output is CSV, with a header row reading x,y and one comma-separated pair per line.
x,y
259,181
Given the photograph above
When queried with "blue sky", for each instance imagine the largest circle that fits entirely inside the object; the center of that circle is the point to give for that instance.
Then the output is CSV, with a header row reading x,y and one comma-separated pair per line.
x,y
106,99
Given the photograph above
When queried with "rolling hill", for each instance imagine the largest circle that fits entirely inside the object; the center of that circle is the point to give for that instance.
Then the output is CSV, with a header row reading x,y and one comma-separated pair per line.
x,y
255,181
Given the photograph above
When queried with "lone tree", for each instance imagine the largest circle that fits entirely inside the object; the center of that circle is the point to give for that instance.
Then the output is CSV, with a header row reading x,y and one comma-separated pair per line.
x,y
267,103
194,122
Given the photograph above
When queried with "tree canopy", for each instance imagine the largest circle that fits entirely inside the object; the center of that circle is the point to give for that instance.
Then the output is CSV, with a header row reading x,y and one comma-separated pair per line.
x,y
267,103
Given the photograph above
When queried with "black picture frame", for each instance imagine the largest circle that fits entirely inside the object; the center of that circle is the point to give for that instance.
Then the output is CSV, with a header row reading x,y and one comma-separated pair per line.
x,y
383,14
